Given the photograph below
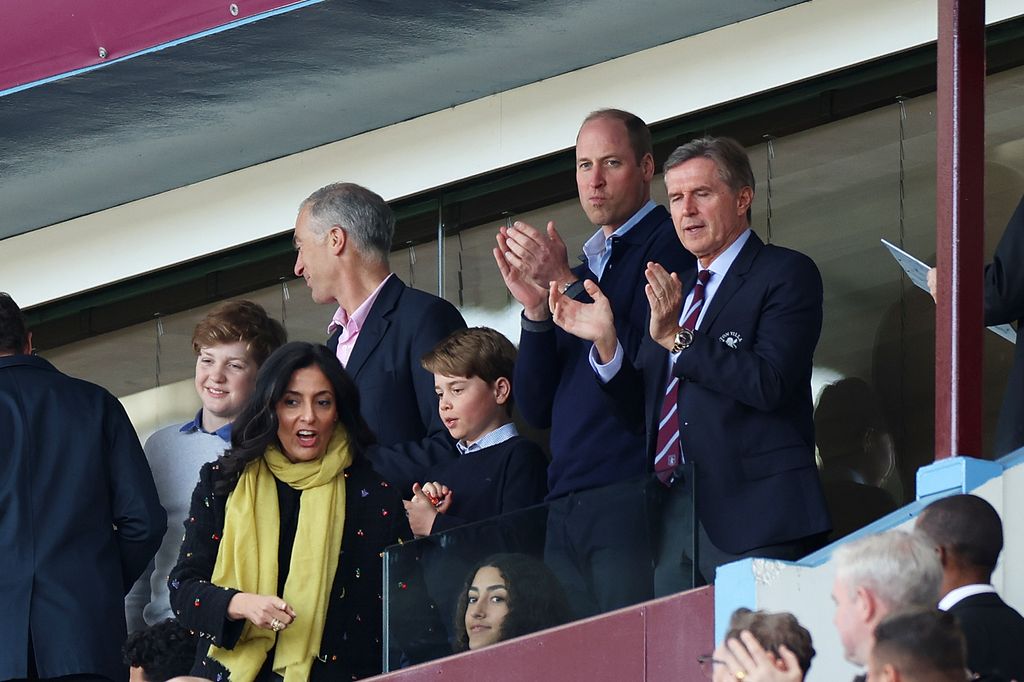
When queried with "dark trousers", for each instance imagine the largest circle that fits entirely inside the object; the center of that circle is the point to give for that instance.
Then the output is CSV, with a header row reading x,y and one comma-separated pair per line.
x,y
674,553
598,546
33,674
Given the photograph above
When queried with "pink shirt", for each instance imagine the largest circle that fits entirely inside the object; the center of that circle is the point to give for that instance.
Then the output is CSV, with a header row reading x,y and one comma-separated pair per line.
x,y
351,324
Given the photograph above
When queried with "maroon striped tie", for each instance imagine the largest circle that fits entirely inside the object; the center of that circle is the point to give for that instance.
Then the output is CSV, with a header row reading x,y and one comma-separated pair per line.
x,y
667,451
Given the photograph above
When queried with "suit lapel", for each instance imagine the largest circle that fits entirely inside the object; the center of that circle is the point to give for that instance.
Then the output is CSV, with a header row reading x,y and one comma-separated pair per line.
x,y
376,325
733,281
653,362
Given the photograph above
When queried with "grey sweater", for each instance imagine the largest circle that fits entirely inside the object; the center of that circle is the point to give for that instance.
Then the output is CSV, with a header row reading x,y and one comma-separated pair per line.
x,y
175,456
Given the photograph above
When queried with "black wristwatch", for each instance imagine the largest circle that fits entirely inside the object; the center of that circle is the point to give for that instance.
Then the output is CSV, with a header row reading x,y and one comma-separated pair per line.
x,y
572,289
682,340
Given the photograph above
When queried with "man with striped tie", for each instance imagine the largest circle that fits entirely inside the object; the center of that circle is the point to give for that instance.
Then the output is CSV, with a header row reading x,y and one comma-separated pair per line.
x,y
723,379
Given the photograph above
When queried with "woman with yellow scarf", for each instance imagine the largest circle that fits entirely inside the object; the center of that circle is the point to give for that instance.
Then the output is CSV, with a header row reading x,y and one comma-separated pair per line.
x,y
280,569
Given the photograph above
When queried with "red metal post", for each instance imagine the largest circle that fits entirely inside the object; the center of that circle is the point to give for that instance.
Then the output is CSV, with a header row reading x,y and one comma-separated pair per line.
x,y
960,143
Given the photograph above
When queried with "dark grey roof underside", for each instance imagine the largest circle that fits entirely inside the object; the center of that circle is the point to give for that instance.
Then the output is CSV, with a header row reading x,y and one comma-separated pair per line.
x,y
171,117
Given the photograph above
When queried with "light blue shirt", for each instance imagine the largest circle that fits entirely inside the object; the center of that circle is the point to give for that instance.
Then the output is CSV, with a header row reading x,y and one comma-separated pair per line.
x,y
598,249
197,425
498,435
718,268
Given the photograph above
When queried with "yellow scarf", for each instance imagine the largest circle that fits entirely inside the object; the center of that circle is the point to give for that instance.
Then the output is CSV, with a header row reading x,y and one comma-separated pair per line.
x,y
247,558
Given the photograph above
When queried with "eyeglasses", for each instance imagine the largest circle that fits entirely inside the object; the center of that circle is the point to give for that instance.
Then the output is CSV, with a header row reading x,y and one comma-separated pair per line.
x,y
707,665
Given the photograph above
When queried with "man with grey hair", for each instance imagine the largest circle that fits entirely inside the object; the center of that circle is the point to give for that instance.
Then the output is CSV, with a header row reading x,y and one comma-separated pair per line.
x,y
382,327
722,379
877,579
876,576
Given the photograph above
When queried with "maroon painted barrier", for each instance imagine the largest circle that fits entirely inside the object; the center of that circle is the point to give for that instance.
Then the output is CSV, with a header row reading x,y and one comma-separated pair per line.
x,y
45,38
657,641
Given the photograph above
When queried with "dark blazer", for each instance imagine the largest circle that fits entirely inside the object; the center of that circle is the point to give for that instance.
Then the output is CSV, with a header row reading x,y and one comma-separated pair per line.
x,y
396,393
79,521
1004,303
994,633
745,408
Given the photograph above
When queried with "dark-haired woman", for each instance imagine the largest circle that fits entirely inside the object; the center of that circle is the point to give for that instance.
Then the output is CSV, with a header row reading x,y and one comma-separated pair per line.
x,y
280,569
505,596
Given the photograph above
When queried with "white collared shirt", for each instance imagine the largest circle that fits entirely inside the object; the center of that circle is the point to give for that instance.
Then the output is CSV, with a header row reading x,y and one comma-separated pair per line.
x,y
959,594
498,435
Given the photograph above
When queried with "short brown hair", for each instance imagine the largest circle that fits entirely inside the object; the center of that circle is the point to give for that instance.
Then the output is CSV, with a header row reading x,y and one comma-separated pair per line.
x,y
772,630
474,352
639,133
244,321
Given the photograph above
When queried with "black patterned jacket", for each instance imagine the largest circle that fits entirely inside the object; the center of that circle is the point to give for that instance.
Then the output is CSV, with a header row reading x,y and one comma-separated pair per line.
x,y
351,644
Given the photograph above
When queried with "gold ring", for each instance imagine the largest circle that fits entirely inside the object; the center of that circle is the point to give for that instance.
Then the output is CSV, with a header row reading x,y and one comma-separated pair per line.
x,y
741,675
276,625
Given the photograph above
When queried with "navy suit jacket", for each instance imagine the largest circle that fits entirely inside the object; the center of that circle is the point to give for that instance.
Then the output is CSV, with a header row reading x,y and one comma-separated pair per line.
x,y
396,394
995,634
1004,303
745,408
79,521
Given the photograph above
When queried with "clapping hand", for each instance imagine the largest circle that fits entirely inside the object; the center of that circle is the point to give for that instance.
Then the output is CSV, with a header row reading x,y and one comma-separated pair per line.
x,y
665,297
590,321
539,256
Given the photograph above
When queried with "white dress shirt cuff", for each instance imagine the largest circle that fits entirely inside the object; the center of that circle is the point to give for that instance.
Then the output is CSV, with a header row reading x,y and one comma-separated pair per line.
x,y
606,372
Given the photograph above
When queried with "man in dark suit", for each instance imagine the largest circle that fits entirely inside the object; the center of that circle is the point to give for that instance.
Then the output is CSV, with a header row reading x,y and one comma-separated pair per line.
x,y
381,328
1004,303
968,535
722,381
80,517
599,550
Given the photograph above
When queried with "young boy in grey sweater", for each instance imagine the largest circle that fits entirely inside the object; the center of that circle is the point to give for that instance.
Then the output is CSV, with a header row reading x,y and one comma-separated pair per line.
x,y
230,343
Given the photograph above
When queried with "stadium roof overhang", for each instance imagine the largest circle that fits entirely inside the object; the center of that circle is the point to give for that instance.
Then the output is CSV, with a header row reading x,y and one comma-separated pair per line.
x,y
103,103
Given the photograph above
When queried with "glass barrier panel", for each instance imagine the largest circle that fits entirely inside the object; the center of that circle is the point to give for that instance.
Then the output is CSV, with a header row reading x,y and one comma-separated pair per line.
x,y
570,558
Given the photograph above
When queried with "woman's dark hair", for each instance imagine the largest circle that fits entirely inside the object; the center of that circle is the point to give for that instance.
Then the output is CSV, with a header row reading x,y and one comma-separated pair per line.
x,y
536,599
256,425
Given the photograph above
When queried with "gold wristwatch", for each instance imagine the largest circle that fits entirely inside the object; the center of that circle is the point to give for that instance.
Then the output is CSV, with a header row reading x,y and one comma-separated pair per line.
x,y
682,340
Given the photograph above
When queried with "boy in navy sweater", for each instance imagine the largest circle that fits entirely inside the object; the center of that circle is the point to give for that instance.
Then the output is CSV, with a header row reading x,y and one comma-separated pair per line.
x,y
497,470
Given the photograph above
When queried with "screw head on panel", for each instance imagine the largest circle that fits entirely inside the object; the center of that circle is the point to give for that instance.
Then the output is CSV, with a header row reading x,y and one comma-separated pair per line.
x,y
103,53
233,8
